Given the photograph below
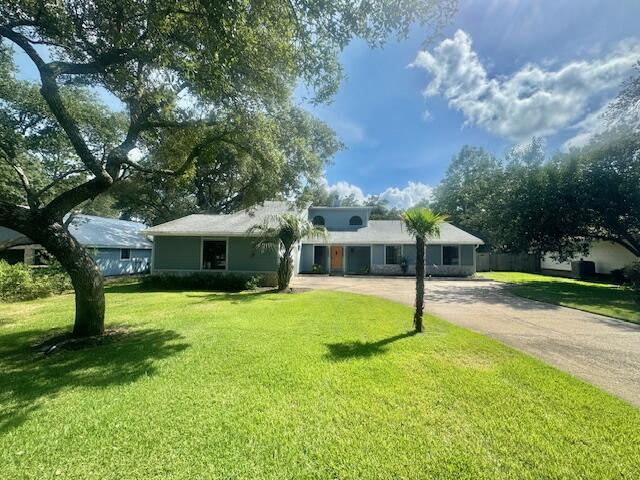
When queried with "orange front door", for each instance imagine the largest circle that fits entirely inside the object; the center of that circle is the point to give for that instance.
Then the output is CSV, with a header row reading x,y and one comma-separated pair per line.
x,y
336,258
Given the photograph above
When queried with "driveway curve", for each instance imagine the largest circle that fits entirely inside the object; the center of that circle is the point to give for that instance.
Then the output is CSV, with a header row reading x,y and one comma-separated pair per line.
x,y
601,350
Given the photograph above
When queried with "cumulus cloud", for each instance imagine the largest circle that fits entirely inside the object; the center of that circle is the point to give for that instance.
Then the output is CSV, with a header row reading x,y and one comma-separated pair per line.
x,y
345,190
533,101
400,198
408,196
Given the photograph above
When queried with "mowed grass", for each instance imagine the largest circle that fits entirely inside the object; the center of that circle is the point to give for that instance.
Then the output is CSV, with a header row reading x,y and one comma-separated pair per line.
x,y
603,298
308,385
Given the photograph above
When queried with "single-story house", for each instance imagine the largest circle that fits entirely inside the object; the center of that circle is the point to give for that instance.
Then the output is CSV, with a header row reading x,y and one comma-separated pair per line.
x,y
354,245
607,256
118,246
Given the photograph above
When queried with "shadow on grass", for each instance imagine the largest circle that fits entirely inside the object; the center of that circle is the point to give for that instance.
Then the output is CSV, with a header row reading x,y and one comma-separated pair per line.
x,y
235,296
28,378
347,350
611,301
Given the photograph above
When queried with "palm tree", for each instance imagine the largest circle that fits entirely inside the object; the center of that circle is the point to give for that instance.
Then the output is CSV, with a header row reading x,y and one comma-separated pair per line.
x,y
421,223
280,233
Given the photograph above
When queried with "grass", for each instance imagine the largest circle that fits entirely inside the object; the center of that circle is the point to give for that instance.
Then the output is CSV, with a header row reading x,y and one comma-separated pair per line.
x,y
603,298
309,385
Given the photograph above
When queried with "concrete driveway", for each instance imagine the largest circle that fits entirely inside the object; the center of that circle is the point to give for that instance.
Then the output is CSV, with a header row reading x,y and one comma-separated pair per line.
x,y
601,350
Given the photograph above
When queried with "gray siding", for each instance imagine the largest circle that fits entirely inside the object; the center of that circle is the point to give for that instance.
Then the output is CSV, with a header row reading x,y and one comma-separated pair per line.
x,y
409,251
242,257
434,255
176,253
377,254
358,259
466,255
338,218
306,258
109,263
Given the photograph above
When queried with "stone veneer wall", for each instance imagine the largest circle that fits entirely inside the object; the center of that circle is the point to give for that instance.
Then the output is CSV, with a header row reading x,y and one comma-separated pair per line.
x,y
450,270
436,271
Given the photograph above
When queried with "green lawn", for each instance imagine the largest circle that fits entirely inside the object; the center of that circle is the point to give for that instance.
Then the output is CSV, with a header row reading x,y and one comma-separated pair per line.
x,y
603,298
309,385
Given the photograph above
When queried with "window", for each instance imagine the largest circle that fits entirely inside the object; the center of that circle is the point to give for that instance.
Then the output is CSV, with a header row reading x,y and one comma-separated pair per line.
x,y
355,220
318,220
392,254
450,255
125,254
214,254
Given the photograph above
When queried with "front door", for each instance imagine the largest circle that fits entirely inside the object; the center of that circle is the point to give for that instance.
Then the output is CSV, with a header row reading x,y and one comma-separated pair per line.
x,y
336,259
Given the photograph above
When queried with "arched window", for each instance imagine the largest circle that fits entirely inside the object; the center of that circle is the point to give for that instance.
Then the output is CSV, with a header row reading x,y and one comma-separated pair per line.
x,y
318,220
355,220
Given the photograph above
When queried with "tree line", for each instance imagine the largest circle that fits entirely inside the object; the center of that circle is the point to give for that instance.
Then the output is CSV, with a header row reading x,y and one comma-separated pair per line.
x,y
559,204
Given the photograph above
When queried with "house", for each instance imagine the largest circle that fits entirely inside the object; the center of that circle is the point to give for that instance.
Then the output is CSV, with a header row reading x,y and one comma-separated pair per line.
x,y
607,256
355,245
118,246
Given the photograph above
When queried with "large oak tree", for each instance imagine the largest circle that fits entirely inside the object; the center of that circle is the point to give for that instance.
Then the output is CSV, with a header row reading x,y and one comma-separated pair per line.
x,y
173,65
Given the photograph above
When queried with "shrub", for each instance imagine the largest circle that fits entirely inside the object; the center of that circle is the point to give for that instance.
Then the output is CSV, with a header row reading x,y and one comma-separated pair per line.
x,y
20,282
632,274
404,265
618,276
202,281
317,268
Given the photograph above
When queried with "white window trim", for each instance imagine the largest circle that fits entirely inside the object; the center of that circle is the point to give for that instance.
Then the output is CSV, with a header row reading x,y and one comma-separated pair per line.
x,y
226,254
126,259
442,256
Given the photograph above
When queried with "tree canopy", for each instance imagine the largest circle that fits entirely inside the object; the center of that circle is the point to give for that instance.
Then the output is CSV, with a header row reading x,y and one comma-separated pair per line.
x,y
557,205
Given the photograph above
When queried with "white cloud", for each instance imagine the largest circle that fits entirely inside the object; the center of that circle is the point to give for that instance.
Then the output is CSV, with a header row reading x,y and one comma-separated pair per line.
x,y
408,196
401,198
591,125
532,101
345,189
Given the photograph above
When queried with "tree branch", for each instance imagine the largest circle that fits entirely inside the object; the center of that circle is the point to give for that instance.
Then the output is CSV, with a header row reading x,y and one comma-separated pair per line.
x,y
64,202
57,180
51,94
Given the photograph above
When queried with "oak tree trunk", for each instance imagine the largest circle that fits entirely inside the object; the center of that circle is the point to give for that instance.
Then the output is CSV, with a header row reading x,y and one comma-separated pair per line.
x,y
85,276
417,318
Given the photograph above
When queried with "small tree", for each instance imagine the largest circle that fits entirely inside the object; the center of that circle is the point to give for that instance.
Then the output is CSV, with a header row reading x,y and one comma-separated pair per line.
x,y
421,223
280,233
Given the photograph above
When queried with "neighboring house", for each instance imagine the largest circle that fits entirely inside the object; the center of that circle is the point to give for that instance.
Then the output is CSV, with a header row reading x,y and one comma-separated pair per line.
x,y
355,245
118,246
607,256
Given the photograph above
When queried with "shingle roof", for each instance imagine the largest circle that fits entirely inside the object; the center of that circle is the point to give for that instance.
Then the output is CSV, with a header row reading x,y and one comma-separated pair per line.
x,y
92,231
377,231
394,232
233,224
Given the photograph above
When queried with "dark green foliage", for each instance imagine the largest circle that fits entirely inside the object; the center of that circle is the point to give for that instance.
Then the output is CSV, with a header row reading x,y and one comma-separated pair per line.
x,y
202,281
528,203
404,265
20,282
468,190
632,278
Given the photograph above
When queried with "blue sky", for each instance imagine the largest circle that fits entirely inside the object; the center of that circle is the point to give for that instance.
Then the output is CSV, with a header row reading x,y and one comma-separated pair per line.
x,y
566,57
501,72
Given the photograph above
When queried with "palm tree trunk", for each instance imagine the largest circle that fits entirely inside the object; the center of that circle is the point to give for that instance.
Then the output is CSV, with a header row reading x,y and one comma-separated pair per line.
x,y
285,270
417,318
